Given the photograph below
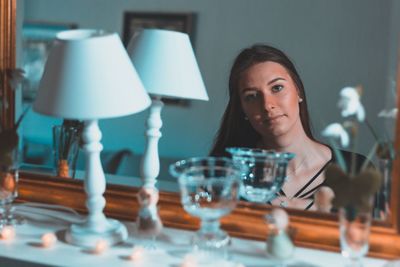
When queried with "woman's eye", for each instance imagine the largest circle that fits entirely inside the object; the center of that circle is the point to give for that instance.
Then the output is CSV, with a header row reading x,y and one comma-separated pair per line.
x,y
250,96
277,88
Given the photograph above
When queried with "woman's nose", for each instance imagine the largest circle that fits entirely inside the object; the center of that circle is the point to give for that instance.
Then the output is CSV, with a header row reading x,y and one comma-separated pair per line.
x,y
269,103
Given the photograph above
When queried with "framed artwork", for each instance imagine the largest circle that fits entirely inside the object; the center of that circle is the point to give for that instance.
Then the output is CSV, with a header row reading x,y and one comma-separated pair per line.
x,y
183,22
37,38
134,21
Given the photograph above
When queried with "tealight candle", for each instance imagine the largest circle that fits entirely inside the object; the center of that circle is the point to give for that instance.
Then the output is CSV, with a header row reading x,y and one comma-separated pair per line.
x,y
137,254
7,232
48,240
100,247
189,261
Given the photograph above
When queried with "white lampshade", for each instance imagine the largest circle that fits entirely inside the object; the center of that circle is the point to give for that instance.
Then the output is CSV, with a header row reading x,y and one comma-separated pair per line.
x,y
89,75
166,64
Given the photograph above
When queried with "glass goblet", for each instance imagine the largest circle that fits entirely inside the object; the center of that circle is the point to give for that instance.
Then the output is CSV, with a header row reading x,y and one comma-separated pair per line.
x,y
265,175
9,188
209,190
354,234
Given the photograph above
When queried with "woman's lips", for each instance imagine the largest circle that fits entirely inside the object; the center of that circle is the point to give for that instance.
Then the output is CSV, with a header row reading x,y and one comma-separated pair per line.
x,y
273,119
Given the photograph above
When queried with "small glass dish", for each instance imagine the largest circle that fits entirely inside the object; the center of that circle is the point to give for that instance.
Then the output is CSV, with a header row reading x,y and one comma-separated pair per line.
x,y
265,172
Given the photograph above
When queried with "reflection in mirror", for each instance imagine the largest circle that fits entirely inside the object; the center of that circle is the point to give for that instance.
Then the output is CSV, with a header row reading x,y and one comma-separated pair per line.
x,y
268,110
333,44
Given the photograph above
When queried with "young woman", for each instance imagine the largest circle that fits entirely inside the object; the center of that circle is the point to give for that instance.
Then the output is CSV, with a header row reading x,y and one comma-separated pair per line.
x,y
267,109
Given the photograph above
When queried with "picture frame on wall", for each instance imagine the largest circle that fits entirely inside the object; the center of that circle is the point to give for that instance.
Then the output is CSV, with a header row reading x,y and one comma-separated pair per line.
x,y
37,39
182,22
134,21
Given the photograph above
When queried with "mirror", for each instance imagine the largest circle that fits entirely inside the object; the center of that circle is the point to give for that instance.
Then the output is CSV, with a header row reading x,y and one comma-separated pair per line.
x,y
332,44
313,229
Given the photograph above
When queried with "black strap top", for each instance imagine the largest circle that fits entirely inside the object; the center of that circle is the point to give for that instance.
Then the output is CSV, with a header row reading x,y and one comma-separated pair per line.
x,y
305,192
308,193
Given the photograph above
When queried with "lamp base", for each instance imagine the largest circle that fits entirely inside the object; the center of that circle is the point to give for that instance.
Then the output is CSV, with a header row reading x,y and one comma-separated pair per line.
x,y
83,236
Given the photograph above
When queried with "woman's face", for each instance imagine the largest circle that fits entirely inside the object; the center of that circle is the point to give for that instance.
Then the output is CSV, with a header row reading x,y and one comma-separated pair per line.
x,y
270,99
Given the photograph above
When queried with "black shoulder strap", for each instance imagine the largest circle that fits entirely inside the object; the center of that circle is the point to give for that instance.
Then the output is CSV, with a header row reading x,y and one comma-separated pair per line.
x,y
311,180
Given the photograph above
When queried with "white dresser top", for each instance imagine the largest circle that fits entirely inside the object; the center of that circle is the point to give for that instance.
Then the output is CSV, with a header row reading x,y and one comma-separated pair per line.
x,y
170,249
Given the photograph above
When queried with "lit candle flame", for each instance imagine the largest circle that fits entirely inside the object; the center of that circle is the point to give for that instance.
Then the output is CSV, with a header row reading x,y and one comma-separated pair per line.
x,y
48,240
137,254
100,247
189,261
7,232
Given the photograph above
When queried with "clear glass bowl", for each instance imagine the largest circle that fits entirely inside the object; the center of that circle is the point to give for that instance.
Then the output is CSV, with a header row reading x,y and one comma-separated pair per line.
x,y
209,190
265,172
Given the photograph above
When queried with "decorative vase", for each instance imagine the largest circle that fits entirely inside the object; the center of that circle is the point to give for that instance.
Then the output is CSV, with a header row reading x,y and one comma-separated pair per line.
x,y
66,140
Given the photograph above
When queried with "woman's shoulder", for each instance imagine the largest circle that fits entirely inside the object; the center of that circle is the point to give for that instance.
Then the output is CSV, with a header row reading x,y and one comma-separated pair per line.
x,y
351,157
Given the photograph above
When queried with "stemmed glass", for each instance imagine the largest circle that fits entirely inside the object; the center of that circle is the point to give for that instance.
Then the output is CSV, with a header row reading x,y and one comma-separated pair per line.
x,y
9,188
266,172
209,190
354,234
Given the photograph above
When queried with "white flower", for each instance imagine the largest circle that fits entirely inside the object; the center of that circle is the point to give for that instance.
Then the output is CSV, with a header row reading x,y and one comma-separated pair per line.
x,y
16,77
388,113
350,104
336,130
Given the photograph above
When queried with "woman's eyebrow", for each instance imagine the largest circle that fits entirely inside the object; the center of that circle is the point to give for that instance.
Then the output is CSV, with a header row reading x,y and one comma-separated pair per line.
x,y
246,89
276,79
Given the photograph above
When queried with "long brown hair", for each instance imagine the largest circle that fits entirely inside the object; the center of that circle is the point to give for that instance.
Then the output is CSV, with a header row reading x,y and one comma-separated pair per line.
x,y
235,130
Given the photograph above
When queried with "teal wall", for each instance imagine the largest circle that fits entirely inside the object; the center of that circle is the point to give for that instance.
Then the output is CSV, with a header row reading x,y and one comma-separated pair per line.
x,y
333,43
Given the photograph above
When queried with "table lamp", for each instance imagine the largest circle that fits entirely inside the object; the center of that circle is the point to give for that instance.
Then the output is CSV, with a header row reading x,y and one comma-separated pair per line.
x,y
89,76
167,66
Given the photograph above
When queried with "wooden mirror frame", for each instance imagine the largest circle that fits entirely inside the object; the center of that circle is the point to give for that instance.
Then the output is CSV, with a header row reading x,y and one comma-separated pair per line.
x,y
312,229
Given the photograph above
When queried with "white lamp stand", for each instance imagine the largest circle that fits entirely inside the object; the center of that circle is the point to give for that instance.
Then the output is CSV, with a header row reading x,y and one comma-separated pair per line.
x,y
149,222
89,76
150,164
96,227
